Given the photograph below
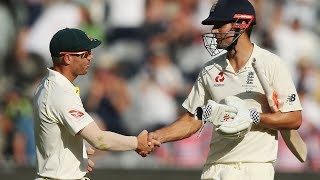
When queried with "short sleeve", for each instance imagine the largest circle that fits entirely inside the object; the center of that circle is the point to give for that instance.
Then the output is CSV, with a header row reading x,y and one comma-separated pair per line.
x,y
283,85
197,96
69,111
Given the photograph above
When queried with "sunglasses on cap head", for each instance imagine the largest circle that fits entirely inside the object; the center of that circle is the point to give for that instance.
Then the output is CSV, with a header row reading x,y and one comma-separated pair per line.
x,y
82,54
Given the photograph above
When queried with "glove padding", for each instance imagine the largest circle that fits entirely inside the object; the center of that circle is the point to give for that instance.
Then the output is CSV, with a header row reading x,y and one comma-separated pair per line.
x,y
241,124
214,113
217,113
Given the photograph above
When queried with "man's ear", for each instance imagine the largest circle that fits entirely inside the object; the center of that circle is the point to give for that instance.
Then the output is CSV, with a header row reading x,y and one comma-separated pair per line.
x,y
66,60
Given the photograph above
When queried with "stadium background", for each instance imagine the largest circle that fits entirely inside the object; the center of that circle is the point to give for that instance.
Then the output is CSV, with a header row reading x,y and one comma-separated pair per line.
x,y
152,51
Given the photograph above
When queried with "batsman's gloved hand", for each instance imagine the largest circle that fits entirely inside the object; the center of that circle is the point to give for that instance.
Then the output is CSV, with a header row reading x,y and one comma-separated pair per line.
x,y
241,124
214,113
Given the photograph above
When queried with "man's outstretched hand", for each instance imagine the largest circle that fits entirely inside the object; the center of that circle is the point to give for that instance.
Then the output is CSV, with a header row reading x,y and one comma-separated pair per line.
x,y
90,151
146,143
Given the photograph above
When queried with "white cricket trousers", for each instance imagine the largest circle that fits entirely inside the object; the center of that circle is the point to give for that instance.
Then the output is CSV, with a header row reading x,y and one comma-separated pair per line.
x,y
45,178
238,171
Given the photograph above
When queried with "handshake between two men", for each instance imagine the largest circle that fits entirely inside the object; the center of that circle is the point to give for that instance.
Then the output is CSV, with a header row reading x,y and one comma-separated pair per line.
x,y
231,120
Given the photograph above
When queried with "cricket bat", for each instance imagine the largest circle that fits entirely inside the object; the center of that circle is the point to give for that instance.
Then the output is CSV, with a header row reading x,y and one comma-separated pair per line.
x,y
291,137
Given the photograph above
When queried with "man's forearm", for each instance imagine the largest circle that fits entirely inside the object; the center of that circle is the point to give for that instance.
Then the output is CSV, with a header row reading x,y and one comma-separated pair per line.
x,y
107,140
114,142
180,129
281,120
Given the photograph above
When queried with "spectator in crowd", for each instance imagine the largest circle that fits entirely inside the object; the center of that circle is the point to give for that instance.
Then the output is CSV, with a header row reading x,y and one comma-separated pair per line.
x,y
108,95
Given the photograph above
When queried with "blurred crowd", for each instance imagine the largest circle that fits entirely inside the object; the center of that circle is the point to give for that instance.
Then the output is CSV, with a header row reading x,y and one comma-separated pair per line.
x,y
151,55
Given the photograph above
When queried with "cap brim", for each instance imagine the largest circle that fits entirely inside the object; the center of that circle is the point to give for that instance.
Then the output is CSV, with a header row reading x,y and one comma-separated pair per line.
x,y
215,21
93,44
208,21
89,45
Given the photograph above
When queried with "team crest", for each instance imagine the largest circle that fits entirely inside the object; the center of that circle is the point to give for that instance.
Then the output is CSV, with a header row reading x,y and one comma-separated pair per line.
x,y
248,84
250,77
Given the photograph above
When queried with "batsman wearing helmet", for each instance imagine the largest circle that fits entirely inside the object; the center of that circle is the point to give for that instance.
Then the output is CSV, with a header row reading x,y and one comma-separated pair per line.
x,y
229,94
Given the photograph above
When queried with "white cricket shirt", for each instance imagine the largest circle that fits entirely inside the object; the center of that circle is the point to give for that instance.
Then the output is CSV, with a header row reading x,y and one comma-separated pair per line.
x,y
218,80
59,116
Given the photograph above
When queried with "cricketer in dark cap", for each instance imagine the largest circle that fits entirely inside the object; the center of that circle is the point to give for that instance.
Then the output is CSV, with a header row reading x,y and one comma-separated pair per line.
x,y
61,123
71,40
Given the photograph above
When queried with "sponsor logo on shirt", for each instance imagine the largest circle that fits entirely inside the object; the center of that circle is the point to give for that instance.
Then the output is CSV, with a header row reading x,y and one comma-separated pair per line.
x,y
291,98
219,80
76,114
220,77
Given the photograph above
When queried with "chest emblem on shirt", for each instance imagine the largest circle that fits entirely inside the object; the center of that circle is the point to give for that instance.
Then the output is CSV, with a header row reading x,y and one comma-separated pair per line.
x,y
76,114
248,84
220,77
250,77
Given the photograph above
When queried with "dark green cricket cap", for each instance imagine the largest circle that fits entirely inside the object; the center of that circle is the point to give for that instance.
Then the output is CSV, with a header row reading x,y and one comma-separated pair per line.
x,y
71,40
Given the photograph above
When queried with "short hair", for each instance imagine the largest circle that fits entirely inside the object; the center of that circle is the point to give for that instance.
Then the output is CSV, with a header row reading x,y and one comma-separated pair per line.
x,y
57,60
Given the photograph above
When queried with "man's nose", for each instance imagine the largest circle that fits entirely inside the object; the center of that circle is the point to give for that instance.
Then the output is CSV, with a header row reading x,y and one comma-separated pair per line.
x,y
90,57
215,30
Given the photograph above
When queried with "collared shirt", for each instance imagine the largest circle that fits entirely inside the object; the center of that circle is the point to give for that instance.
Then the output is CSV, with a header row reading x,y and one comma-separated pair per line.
x,y
218,80
59,116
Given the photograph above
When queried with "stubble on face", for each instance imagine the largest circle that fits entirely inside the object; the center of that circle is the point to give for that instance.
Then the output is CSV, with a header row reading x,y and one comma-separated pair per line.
x,y
81,67
224,43
224,36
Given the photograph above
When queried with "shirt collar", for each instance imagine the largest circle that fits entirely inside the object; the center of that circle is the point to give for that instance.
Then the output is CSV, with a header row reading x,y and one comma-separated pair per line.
x,y
59,79
223,63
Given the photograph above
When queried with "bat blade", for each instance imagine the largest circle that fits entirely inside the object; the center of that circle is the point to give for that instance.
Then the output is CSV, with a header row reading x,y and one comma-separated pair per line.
x,y
295,143
291,137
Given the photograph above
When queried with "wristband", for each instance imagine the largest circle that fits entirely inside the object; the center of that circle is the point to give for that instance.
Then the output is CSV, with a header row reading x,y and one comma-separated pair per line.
x,y
255,116
198,113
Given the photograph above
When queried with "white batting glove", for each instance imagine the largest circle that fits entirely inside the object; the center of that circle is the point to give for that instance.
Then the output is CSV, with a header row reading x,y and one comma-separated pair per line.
x,y
215,113
242,122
